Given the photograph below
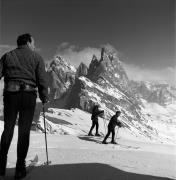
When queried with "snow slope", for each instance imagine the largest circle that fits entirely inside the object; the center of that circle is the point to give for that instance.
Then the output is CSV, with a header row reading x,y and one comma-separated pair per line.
x,y
76,156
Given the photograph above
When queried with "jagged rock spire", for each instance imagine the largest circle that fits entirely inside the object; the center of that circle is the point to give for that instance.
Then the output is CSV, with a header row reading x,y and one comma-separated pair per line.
x,y
102,53
108,67
61,77
82,70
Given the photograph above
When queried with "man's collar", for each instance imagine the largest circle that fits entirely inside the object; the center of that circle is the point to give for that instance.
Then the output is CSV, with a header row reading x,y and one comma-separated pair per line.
x,y
23,46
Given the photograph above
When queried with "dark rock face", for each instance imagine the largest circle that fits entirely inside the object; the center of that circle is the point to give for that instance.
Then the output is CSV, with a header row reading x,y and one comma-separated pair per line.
x,y
82,70
61,77
108,68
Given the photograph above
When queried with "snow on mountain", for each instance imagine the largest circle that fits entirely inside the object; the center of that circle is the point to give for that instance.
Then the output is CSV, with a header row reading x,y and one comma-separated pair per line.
x,y
63,64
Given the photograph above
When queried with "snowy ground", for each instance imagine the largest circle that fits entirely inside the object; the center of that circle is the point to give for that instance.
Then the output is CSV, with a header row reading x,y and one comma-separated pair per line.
x,y
80,157
76,156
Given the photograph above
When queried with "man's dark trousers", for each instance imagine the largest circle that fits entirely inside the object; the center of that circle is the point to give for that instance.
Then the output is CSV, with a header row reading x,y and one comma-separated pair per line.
x,y
94,123
21,104
110,130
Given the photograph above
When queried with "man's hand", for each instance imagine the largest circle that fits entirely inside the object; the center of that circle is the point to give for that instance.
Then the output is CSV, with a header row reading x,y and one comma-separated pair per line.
x,y
45,100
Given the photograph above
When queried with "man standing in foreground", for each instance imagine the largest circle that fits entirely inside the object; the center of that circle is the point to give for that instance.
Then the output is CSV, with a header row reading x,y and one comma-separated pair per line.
x,y
23,70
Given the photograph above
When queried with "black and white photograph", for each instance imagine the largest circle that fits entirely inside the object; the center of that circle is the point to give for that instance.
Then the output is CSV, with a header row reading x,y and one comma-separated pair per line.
x,y
87,89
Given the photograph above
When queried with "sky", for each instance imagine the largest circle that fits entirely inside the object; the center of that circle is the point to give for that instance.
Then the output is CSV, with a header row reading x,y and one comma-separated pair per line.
x,y
142,31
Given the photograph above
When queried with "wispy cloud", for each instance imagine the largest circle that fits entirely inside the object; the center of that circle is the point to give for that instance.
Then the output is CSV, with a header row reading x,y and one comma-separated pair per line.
x,y
75,55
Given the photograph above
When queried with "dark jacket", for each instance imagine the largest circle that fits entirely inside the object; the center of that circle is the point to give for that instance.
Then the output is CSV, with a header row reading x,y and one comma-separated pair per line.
x,y
25,65
95,113
114,122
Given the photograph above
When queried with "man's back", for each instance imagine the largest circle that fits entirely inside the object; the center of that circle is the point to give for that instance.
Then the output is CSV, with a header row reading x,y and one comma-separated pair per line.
x,y
114,122
96,112
21,64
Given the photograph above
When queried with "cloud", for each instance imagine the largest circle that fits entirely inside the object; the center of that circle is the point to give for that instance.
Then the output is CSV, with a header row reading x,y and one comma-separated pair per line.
x,y
75,55
167,75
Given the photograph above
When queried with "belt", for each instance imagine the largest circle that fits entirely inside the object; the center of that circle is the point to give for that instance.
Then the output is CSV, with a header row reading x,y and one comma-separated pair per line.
x,y
13,86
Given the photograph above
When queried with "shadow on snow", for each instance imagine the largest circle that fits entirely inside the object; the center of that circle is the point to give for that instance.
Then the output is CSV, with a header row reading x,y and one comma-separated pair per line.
x,y
82,171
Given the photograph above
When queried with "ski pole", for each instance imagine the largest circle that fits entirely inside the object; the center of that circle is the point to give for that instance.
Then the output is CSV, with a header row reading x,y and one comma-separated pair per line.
x,y
47,162
116,133
104,125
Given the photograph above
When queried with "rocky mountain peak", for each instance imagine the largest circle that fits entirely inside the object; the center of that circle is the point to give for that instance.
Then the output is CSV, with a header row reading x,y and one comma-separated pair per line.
x,y
61,77
60,63
94,58
108,54
108,69
82,70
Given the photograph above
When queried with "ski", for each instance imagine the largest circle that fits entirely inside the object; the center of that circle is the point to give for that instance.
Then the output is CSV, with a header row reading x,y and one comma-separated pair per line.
x,y
35,162
32,163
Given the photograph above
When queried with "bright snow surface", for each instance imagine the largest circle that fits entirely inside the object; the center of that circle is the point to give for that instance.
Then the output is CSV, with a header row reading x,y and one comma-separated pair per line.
x,y
76,156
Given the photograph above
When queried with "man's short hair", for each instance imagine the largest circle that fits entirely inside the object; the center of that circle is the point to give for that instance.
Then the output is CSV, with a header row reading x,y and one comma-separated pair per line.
x,y
23,39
